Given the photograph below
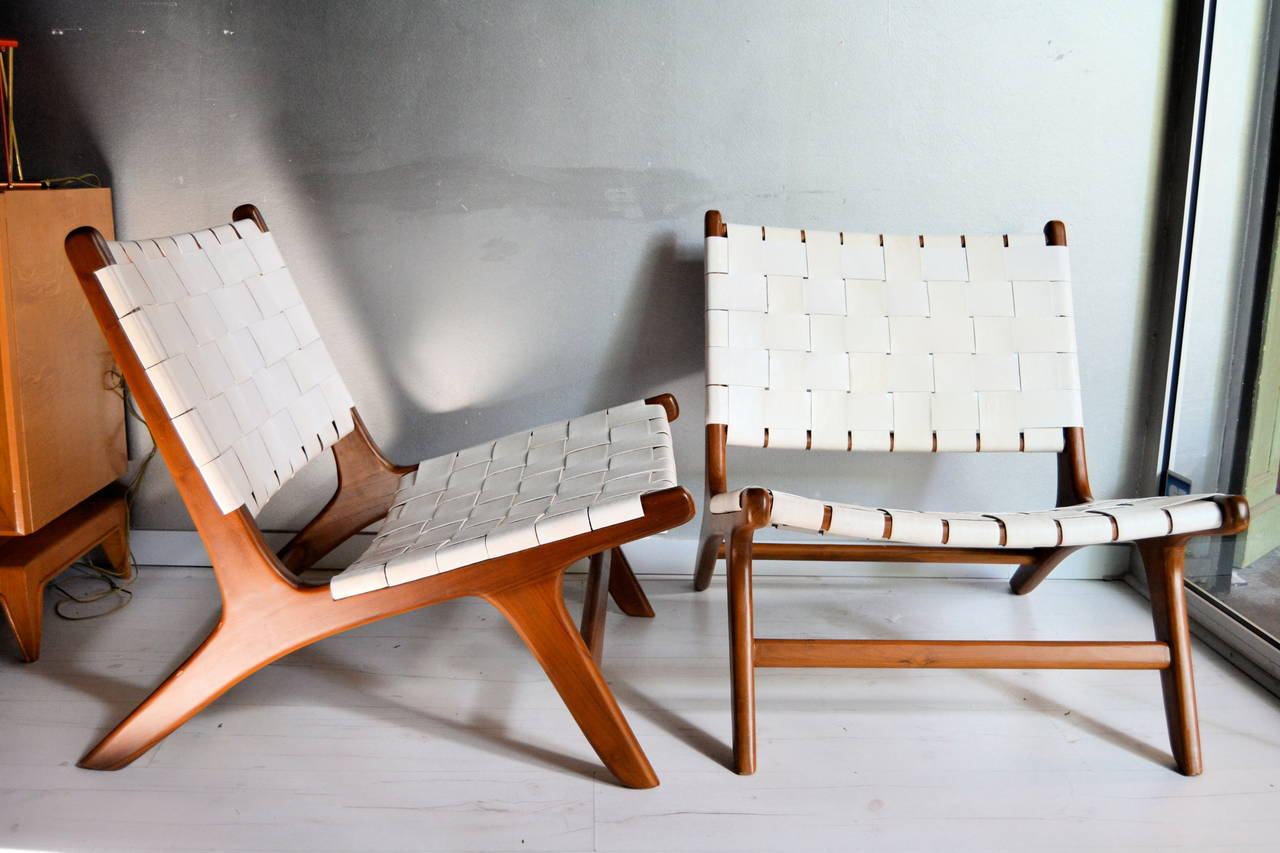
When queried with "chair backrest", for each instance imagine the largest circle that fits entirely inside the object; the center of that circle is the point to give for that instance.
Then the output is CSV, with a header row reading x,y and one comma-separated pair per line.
x,y
842,341
228,345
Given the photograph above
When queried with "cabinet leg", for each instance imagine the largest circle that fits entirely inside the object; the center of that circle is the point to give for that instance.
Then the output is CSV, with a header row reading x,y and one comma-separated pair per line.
x,y
22,597
116,545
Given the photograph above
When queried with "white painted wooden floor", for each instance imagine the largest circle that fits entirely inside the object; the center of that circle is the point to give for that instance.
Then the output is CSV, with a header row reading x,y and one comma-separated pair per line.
x,y
436,731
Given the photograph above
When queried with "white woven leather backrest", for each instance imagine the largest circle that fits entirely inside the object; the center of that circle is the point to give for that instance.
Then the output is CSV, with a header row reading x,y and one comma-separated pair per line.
x,y
220,327
836,341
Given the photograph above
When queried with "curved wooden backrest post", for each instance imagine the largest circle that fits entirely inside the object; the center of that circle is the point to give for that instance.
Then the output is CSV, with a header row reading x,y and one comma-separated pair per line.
x,y
1073,472
717,434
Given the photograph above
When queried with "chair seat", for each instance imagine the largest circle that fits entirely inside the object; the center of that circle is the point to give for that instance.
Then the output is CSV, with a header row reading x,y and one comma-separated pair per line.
x,y
1084,524
524,490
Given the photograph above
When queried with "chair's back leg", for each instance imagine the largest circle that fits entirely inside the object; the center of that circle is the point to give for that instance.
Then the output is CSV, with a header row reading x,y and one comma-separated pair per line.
x,y
1163,559
742,650
537,611
625,587
595,605
605,579
1028,577
708,553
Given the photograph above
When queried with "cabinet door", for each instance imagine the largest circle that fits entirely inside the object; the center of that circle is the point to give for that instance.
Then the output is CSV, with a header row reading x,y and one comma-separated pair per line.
x,y
64,427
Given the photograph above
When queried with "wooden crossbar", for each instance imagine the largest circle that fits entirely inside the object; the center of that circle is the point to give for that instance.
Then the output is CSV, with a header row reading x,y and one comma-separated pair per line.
x,y
960,654
888,553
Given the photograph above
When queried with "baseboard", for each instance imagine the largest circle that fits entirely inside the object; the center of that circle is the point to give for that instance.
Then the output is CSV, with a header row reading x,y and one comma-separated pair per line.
x,y
657,555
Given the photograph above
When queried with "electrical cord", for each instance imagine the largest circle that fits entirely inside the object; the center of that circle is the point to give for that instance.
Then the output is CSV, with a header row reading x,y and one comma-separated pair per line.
x,y
88,179
89,571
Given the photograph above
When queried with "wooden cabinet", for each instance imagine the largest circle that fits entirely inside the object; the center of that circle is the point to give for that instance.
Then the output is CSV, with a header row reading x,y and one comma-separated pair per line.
x,y
63,427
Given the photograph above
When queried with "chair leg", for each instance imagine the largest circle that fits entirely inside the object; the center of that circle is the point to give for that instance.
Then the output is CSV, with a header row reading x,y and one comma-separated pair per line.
x,y
1028,577
742,651
625,587
707,556
595,606
234,651
538,613
1163,559
22,599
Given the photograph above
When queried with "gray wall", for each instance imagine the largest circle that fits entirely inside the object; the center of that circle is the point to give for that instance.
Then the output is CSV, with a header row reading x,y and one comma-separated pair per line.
x,y
495,208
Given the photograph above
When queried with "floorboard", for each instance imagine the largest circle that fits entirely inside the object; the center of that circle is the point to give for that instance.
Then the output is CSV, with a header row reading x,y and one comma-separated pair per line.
x,y
436,731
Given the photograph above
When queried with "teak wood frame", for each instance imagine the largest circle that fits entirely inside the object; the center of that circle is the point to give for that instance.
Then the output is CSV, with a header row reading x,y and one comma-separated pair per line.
x,y
28,563
731,535
268,611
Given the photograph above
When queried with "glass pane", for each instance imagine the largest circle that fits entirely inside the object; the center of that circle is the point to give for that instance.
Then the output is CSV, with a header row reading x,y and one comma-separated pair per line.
x,y
1226,431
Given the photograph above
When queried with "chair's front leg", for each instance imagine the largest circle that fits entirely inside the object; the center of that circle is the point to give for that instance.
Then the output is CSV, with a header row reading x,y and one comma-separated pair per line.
x,y
237,648
741,649
537,611
1163,559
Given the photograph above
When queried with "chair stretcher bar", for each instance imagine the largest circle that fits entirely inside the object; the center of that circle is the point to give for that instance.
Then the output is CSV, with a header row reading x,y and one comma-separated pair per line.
x,y
960,654
888,553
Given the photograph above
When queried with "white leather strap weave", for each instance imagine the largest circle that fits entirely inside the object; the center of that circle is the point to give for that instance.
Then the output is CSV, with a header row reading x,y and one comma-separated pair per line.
x,y
233,354
1085,524
842,341
527,489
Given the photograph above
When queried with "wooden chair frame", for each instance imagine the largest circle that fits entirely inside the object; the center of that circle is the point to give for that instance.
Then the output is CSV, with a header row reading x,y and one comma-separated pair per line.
x,y
268,611
731,535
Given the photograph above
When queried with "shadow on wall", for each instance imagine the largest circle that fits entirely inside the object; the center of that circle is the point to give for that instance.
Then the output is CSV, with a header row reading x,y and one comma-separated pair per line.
x,y
656,340
663,340
387,221
469,184
57,136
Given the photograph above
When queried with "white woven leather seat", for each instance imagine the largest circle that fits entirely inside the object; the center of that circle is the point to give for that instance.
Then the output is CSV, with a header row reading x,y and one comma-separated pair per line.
x,y
233,353
1092,523
521,491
